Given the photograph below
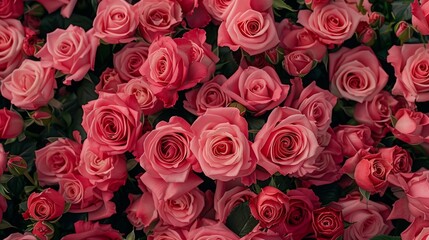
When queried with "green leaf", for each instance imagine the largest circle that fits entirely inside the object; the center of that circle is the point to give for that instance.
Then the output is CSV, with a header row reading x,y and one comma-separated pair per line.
x,y
386,237
280,5
86,92
4,192
131,236
401,10
131,164
240,220
5,225
328,193
365,194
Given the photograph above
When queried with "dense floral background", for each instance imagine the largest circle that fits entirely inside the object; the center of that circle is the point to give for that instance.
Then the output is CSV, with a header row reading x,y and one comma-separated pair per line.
x,y
214,119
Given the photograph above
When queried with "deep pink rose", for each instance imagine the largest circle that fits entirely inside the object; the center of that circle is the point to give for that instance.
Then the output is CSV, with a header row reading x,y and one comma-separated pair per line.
x,y
165,151
141,212
328,223
250,29
259,90
11,54
209,95
57,159
93,230
46,205
30,86
157,18
355,74
19,236
398,157
210,231
420,16
71,51
269,207
419,229
287,143
353,138
168,233
43,230
112,123
109,81
314,3
333,23
3,160
368,217
11,8
411,127
298,63
221,145
66,6
129,59
3,206
262,234
411,65
12,124
218,9
371,173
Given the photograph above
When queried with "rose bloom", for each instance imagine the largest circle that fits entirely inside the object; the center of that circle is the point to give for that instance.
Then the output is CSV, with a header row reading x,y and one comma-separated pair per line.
x,y
411,65
112,123
12,124
167,233
356,74
250,29
411,127
11,55
165,151
209,95
141,212
19,236
398,157
3,160
47,205
129,59
328,223
157,17
71,51
57,159
221,145
419,229
269,207
371,173
93,230
420,16
368,217
287,143
109,81
11,8
258,234
218,9
52,5
333,23
353,138
298,63
259,90
210,231
30,86
43,230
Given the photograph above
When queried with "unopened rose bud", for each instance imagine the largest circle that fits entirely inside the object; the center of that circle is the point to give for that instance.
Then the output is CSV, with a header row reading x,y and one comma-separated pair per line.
x,y
298,63
43,230
11,125
41,117
376,19
274,55
403,31
367,36
17,166
311,4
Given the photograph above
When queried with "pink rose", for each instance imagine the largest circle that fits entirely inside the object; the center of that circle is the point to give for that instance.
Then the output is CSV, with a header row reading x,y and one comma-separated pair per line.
x,y
252,30
141,212
30,86
419,229
221,145
287,143
269,207
259,90
12,124
313,3
46,205
261,234
157,17
371,173
298,63
57,159
168,233
11,8
11,54
209,95
410,62
333,23
411,127
368,217
93,230
211,231
356,74
71,51
112,123
115,22
66,6
19,236
165,151
218,9
420,16
109,81
353,138
128,61
148,102
3,160
398,157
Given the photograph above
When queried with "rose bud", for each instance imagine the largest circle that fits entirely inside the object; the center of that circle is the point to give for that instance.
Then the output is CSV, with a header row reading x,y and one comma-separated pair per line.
x,y
269,207
47,205
376,19
16,165
311,4
328,223
403,31
367,36
298,63
31,43
274,55
41,116
11,125
43,230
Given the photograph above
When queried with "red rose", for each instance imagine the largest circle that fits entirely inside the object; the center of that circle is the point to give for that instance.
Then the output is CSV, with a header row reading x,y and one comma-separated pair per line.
x,y
269,207
45,206
328,223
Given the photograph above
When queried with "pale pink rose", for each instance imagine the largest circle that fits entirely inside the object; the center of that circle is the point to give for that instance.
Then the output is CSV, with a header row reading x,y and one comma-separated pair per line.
x,y
129,59
66,6
157,17
19,236
11,8
333,23
218,9
12,124
250,29
221,144
411,127
112,123
165,151
107,174
57,159
115,22
353,138
93,230
419,229
71,51
420,16
168,233
209,95
148,102
287,143
269,207
355,74
259,90
369,218
141,212
30,86
11,53
84,197
109,81
398,157
210,231
411,64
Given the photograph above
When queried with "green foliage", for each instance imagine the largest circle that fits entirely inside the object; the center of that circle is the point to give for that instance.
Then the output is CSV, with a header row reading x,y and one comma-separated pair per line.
x,y
240,220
